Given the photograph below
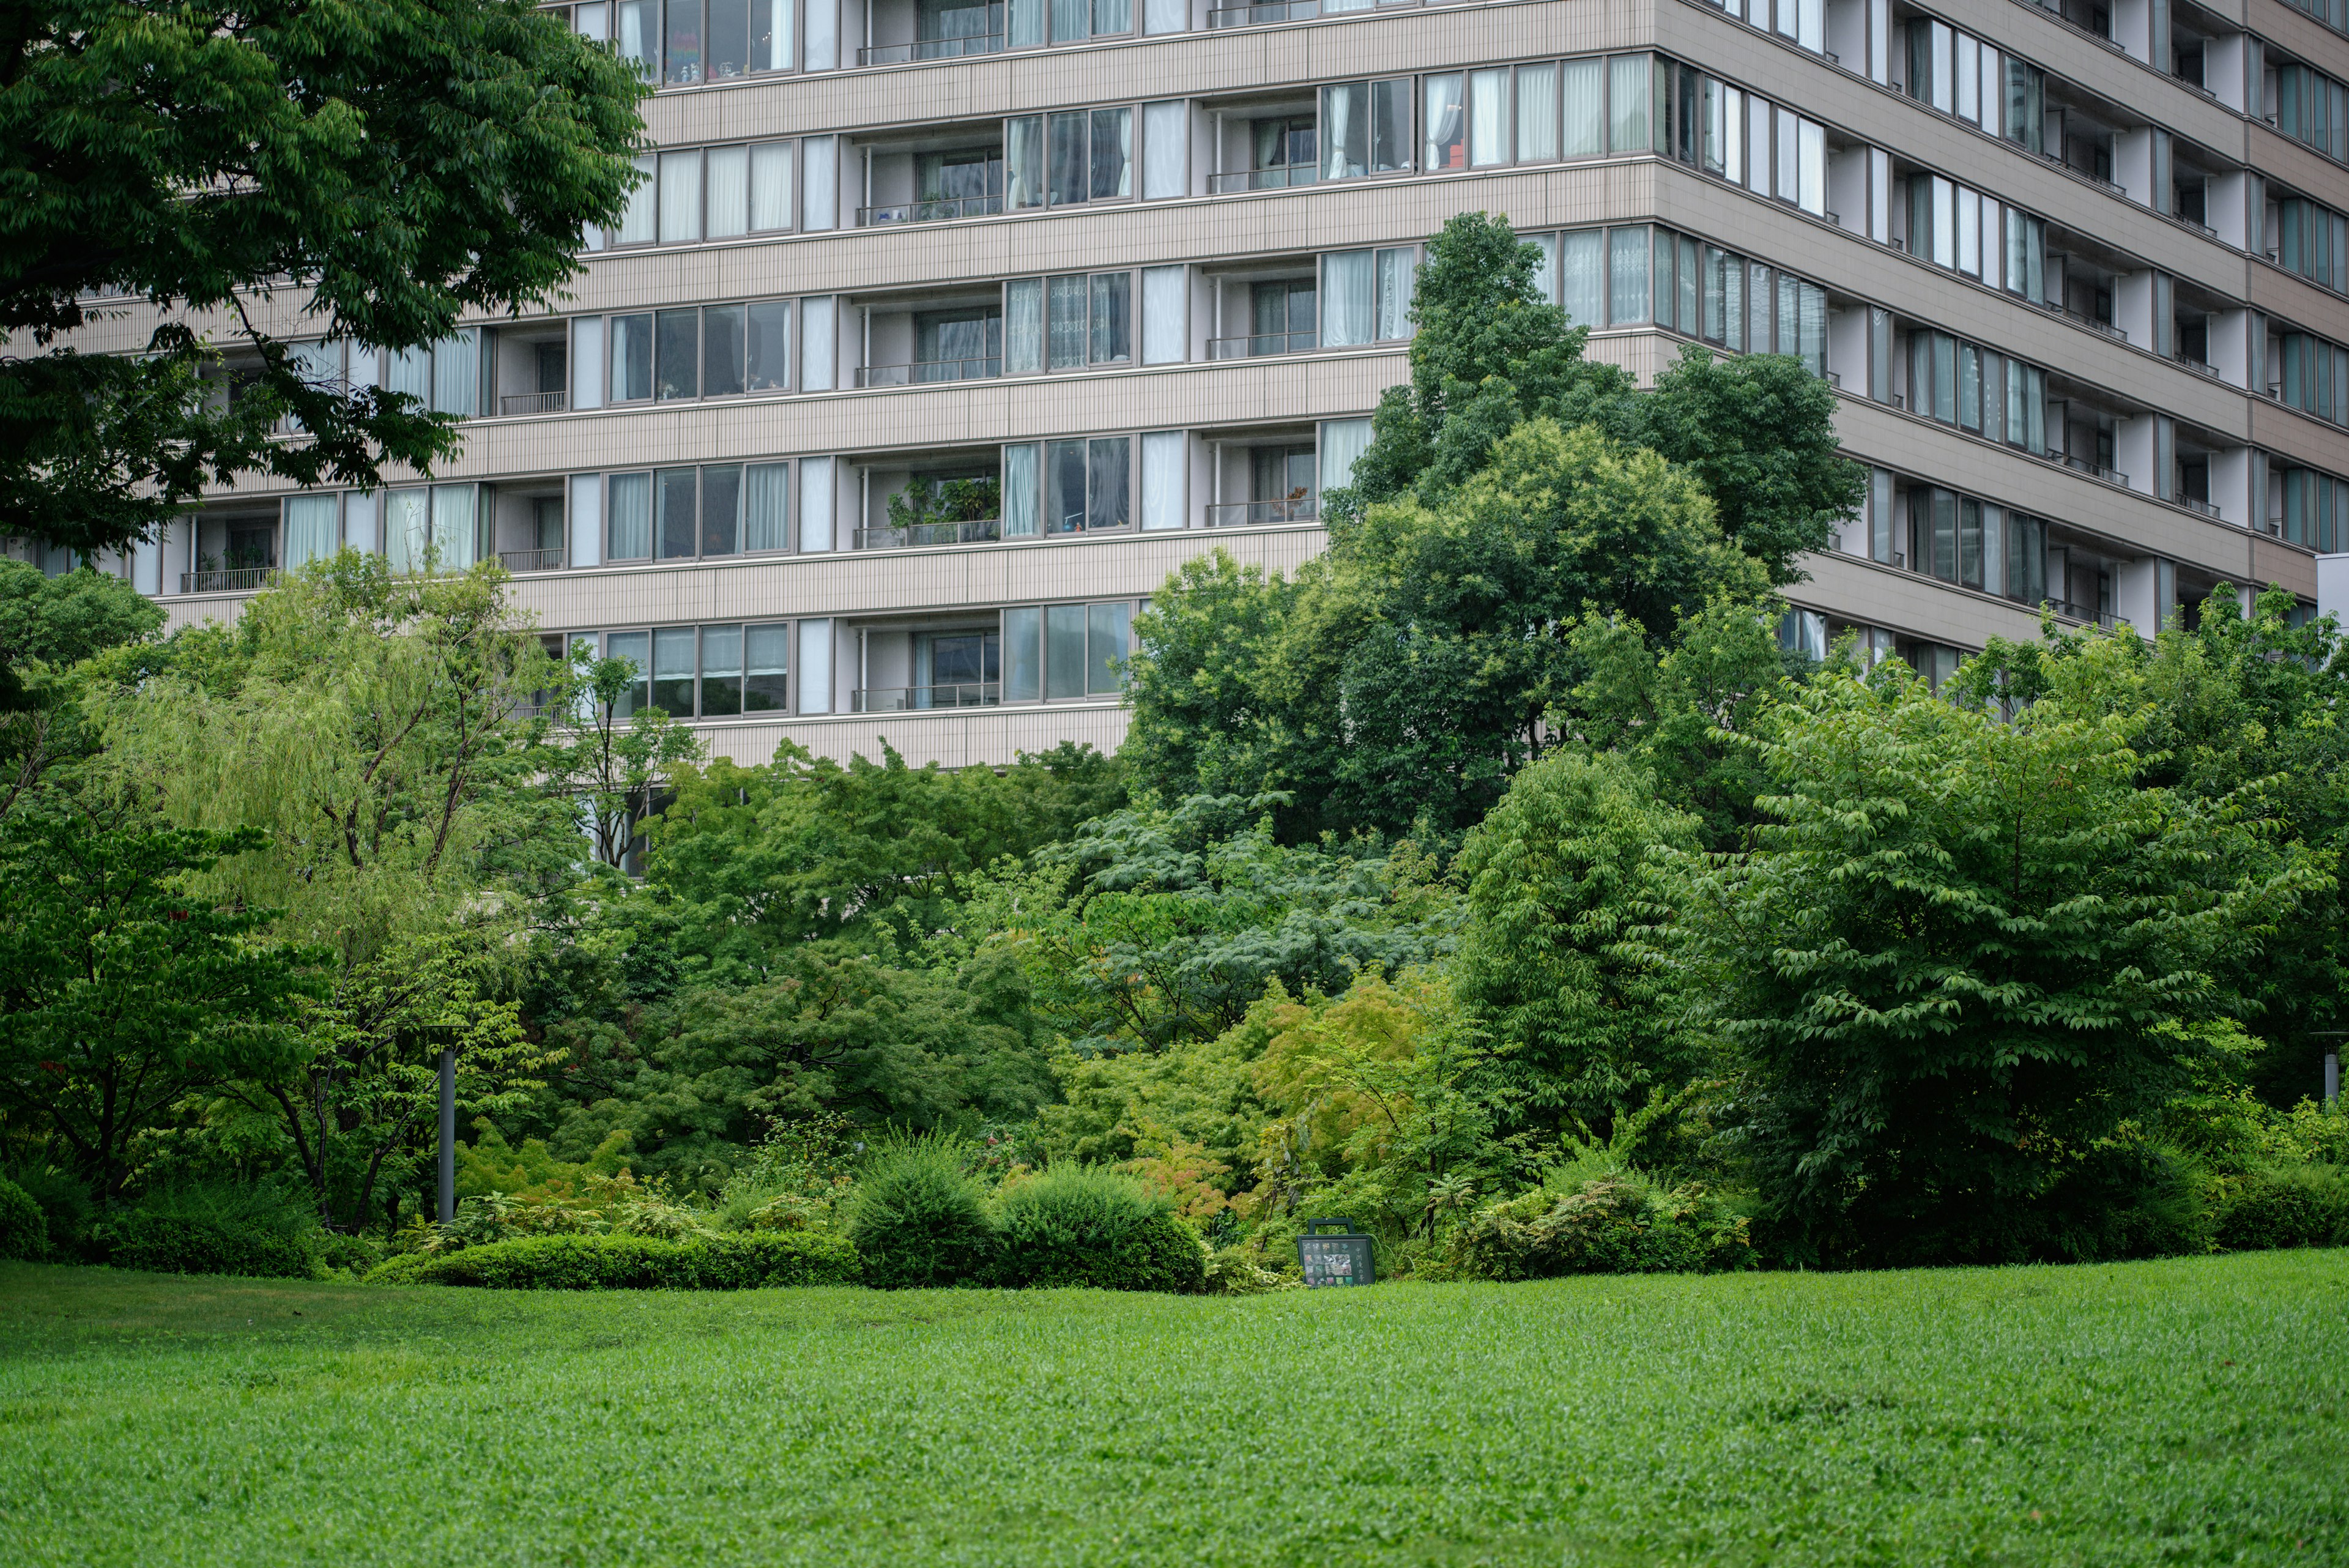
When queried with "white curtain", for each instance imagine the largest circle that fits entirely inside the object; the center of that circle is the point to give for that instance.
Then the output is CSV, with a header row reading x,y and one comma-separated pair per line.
x,y
1165,16
1166,339
1627,107
823,37
1582,275
820,182
818,340
1338,113
1585,96
815,503
586,520
1026,24
1488,118
630,517
729,191
358,522
681,196
1398,275
407,529
1811,189
1342,442
1023,326
455,518
1347,300
815,667
1163,465
1071,20
457,373
767,521
310,530
1166,150
409,370
644,201
1019,491
776,15
1545,279
640,36
770,186
593,22
1536,113
1125,151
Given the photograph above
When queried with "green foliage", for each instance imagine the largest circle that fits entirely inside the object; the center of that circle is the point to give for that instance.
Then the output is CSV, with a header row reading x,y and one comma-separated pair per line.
x,y
918,1219
531,1173
707,1263
64,620
121,989
2285,1206
1620,1224
1561,957
1082,1225
926,501
24,1229
612,770
1957,961
64,1198
213,1228
397,164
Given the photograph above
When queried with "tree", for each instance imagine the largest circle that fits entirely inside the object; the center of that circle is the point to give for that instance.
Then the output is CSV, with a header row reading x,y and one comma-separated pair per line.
x,y
48,625
1961,955
1561,958
614,772
391,165
120,991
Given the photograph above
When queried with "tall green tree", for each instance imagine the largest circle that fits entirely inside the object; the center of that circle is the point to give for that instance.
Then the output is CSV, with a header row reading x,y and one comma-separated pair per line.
x,y
385,165
1966,952
123,989
48,627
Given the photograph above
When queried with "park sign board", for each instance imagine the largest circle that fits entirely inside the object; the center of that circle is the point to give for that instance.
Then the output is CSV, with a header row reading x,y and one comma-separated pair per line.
x,y
1340,1259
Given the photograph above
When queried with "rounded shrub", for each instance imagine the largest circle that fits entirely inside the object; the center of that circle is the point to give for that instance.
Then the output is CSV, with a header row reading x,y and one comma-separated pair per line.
x,y
24,1229
918,1219
1080,1225
2286,1206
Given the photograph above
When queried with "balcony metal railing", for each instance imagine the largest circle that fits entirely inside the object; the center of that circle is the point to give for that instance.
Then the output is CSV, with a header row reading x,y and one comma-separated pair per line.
x,y
1278,177
2200,367
2089,613
1244,514
1257,346
923,698
531,560
535,403
2095,470
2191,504
1264,15
929,210
231,580
978,531
922,372
931,49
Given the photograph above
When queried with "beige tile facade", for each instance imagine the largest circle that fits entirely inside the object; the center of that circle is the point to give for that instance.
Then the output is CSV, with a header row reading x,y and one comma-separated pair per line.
x,y
2166,454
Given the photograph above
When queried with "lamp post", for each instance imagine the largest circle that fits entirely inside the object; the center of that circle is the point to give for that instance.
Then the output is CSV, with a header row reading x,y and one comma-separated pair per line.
x,y
2331,1066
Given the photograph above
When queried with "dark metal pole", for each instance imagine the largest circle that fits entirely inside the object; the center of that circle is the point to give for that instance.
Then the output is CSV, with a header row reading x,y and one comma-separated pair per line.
x,y
448,1133
2332,1079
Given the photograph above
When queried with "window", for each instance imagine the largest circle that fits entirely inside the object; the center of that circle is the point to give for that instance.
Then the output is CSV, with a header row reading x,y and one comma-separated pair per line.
x,y
2311,240
434,529
1281,152
718,350
698,40
1366,296
1060,158
2315,376
444,377
2315,509
2313,109
1067,322
714,193
313,529
1446,128
1365,129
2026,105
1066,652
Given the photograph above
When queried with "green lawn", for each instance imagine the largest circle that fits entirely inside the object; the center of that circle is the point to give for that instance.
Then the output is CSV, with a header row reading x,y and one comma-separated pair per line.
x,y
2186,1411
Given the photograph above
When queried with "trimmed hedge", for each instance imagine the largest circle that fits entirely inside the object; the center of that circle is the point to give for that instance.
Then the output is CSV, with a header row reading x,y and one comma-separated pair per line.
x,y
183,1244
749,1261
24,1229
1080,1226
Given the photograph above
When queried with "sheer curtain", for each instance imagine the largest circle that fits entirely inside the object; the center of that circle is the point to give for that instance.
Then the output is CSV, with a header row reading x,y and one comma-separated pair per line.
x,y
409,370
1165,151
631,514
1019,490
1398,275
818,344
1446,143
1545,280
1347,299
815,666
1026,24
455,518
1343,443
1071,20
310,529
644,201
729,191
1536,113
815,503
1585,96
770,186
1627,102
1165,16
1627,269
1023,162
767,507
1163,454
774,48
819,184
681,196
358,522
1165,339
1488,118
457,373
1023,326
1342,127
407,529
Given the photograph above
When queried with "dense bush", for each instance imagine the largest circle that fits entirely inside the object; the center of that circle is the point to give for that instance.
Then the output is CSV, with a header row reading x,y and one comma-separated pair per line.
x,y
730,1262
2288,1205
1612,1225
192,1244
24,1229
920,1218
65,1201
1080,1225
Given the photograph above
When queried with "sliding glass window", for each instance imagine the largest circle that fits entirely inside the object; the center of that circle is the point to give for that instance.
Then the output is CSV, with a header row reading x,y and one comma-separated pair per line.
x,y
716,351
706,193
712,513
1062,160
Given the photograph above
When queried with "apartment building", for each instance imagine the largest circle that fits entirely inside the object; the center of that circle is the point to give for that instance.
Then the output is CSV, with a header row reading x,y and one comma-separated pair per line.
x,y
941,331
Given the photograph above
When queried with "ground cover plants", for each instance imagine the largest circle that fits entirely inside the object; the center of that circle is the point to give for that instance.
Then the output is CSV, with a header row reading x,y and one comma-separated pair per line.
x,y
2183,1411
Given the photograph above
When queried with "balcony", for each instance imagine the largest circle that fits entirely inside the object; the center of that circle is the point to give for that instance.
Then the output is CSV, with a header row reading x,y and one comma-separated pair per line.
x,y
229,580
531,560
926,699
932,49
1264,15
929,210
1275,177
534,402
923,535
1260,513
925,372
1263,344
2094,470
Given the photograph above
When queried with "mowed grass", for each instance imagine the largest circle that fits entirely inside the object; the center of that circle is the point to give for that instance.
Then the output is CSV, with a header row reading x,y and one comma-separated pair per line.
x,y
2186,1411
